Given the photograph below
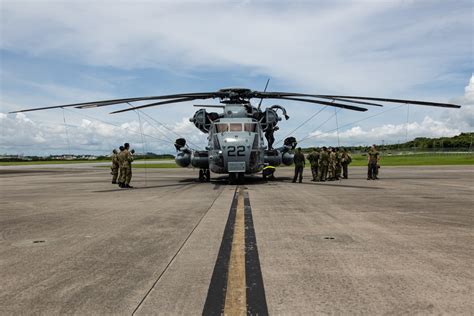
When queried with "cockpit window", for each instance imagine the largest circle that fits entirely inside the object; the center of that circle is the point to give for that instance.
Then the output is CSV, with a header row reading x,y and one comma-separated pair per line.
x,y
235,127
221,128
250,127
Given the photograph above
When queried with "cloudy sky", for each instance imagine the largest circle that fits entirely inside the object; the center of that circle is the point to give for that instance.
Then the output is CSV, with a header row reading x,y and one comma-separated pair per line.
x,y
56,52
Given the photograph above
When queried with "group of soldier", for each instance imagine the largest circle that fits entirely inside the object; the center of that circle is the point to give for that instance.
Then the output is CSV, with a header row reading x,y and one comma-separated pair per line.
x,y
122,166
330,164
327,164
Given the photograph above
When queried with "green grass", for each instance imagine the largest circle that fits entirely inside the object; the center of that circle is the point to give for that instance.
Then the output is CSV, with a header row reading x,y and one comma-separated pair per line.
x,y
433,159
156,165
61,162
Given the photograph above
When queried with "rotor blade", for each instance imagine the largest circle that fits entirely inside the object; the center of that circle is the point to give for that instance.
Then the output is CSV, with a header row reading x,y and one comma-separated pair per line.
x,y
155,104
339,97
162,97
291,94
209,106
444,105
352,101
43,108
339,105
85,105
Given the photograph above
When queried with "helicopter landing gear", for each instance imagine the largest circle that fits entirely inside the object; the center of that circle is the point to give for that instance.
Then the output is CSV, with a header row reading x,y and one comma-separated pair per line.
x,y
204,175
236,178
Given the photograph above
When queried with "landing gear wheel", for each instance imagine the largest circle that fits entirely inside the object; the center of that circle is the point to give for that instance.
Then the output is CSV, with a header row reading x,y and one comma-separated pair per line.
x,y
241,178
232,178
204,175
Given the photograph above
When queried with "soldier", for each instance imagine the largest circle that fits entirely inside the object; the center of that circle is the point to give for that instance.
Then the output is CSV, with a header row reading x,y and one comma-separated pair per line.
x,y
345,161
269,172
299,161
323,164
313,158
338,168
119,163
332,165
269,135
373,158
115,166
126,158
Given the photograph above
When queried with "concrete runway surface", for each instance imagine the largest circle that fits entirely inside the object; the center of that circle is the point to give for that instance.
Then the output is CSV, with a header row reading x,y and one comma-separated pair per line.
x,y
71,242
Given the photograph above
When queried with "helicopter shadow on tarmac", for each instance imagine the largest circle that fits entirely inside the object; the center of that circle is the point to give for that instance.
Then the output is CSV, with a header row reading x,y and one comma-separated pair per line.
x,y
339,185
146,187
256,180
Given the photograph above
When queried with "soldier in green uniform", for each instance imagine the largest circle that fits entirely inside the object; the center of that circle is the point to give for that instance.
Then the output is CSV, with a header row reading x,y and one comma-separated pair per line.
x,y
313,158
373,158
126,158
345,161
119,162
332,165
121,158
323,164
115,166
299,161
338,168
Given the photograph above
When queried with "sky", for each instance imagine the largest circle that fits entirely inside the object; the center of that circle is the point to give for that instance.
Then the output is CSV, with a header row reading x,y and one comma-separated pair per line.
x,y
57,52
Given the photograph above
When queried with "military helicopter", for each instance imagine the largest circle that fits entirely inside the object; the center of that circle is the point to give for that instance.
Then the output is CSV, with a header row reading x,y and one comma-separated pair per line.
x,y
236,135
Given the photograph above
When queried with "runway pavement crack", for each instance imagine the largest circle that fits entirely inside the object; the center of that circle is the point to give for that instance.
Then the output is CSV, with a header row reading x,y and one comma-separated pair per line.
x,y
175,255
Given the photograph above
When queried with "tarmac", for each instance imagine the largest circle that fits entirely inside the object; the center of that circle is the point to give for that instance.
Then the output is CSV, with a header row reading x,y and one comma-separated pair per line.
x,y
71,242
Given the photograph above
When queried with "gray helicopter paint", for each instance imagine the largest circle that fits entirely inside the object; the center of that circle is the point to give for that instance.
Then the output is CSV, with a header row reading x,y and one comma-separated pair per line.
x,y
237,152
235,141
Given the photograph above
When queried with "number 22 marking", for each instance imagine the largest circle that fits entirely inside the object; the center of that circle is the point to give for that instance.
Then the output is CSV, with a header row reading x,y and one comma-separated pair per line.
x,y
233,151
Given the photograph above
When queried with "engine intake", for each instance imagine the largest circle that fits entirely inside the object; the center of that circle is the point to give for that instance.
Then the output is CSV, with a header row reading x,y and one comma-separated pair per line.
x,y
180,143
290,143
203,119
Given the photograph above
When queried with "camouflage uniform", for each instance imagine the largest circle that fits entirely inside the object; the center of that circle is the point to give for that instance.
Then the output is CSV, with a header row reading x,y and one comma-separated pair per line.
x,y
115,167
345,161
332,166
313,158
373,157
323,165
338,165
125,158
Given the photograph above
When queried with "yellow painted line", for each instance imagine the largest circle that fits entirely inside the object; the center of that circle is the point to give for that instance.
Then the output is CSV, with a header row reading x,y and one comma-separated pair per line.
x,y
236,300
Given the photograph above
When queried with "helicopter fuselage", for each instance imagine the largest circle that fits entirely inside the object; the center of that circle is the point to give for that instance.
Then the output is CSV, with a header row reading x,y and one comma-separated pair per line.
x,y
236,145
235,141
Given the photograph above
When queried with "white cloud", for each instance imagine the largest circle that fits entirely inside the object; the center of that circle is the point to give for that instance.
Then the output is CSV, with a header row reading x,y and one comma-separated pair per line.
x,y
468,97
380,48
390,133
347,46
20,134
455,122
463,118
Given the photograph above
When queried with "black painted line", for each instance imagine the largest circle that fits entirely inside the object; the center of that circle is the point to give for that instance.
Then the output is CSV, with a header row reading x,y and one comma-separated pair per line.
x,y
256,301
215,300
255,292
